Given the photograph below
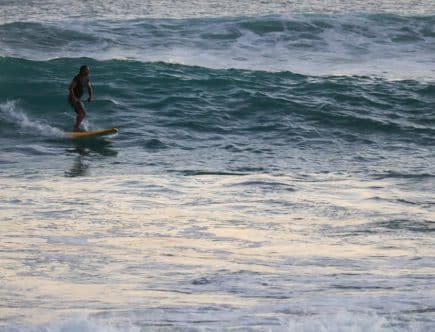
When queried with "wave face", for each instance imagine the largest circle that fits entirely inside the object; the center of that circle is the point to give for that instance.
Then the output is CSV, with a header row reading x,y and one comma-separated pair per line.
x,y
257,114
387,45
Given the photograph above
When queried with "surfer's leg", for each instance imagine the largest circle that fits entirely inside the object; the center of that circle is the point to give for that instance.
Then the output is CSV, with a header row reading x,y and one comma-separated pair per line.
x,y
81,113
79,118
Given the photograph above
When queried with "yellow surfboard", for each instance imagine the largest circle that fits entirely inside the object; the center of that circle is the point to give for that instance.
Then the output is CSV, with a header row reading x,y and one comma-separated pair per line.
x,y
91,133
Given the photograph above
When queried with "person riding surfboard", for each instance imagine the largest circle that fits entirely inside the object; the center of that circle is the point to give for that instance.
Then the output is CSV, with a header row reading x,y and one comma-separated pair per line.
x,y
76,88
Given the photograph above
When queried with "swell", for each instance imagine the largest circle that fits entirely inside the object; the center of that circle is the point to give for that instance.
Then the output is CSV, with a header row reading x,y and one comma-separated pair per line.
x,y
192,101
363,44
58,10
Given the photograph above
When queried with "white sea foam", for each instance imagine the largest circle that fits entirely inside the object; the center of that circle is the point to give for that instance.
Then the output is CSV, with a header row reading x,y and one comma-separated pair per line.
x,y
78,324
10,112
135,321
386,46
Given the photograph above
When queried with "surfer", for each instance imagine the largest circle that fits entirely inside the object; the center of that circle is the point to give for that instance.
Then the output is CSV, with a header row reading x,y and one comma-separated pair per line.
x,y
76,88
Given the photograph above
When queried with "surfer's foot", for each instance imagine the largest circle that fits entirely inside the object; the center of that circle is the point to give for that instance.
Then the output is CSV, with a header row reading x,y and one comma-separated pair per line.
x,y
78,130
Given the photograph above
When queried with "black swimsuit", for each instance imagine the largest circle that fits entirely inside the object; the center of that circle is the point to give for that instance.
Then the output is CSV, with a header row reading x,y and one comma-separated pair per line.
x,y
80,82
78,92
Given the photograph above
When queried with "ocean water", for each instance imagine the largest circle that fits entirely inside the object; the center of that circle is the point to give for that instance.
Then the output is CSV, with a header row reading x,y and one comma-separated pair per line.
x,y
274,168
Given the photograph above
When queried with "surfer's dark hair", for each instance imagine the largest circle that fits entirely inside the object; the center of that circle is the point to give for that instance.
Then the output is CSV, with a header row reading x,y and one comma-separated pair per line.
x,y
84,67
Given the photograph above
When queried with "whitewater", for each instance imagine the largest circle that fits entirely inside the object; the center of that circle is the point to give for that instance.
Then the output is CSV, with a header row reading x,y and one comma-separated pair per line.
x,y
274,168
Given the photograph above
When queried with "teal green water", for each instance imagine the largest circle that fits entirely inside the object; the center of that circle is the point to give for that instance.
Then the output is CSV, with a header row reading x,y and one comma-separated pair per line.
x,y
271,172
198,119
